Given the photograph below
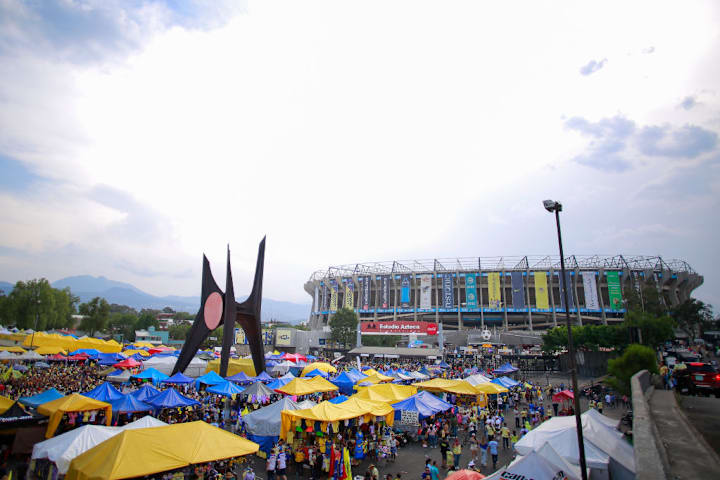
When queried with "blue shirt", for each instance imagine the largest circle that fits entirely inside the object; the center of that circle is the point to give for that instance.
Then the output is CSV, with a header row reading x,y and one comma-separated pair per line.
x,y
434,472
493,447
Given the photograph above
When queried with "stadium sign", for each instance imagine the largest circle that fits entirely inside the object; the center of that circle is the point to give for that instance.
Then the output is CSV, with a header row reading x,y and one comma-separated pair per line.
x,y
398,328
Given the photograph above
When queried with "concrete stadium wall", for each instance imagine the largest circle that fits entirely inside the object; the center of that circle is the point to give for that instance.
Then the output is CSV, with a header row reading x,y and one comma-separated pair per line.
x,y
650,457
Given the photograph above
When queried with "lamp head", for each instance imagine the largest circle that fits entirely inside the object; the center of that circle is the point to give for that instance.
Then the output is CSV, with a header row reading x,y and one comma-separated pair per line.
x,y
551,206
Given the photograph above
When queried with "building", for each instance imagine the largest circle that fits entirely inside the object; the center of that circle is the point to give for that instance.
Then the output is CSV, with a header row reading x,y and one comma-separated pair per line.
x,y
510,293
156,337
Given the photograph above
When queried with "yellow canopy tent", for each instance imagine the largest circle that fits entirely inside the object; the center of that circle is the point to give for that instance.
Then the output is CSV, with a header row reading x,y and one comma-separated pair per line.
x,y
143,353
306,386
146,451
235,365
143,344
10,372
458,387
490,388
50,350
68,343
13,349
322,366
386,392
328,413
370,371
71,403
377,378
5,403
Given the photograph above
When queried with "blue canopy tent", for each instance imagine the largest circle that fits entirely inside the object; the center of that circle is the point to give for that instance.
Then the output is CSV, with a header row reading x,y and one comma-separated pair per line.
x,y
145,393
226,389
241,378
264,377
210,378
151,374
105,393
44,397
171,398
506,382
110,358
115,373
443,364
263,425
425,403
90,352
338,399
129,404
505,369
178,379
277,383
317,373
137,357
356,376
287,376
344,382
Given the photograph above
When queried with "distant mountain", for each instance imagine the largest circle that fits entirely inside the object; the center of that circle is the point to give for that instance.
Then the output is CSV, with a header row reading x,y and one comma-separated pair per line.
x,y
88,287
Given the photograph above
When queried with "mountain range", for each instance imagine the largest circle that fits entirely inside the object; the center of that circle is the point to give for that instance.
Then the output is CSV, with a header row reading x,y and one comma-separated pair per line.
x,y
88,287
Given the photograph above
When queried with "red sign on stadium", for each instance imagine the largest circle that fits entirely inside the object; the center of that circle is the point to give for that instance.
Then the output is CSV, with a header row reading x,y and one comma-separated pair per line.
x,y
398,328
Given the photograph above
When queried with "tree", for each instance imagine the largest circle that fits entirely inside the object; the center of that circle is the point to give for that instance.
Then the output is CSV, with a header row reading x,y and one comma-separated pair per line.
x,y
635,358
179,332
147,319
692,317
655,330
96,314
380,340
35,304
648,301
343,327
168,310
123,324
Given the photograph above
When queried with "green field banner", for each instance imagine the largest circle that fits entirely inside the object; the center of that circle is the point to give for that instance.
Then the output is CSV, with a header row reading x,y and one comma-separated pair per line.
x,y
614,290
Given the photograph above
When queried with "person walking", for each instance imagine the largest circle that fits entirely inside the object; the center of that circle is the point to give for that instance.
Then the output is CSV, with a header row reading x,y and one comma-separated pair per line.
x,y
493,447
483,453
444,446
457,452
505,433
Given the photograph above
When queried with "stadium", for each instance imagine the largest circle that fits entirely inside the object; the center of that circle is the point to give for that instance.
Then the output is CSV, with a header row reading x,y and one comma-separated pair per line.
x,y
505,293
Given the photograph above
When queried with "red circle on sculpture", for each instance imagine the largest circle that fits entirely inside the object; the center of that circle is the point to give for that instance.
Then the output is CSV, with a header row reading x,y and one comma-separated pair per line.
x,y
212,313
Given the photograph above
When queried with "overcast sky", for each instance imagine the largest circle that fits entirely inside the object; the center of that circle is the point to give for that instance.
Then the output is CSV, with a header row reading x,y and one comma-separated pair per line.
x,y
134,136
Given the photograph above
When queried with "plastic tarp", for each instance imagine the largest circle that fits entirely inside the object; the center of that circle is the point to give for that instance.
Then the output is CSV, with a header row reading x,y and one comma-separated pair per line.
x,y
178,379
458,387
62,449
235,365
171,398
145,392
322,366
72,403
506,382
258,389
490,388
317,373
50,350
344,382
306,386
210,378
150,374
110,358
505,369
31,355
104,392
129,404
386,392
68,343
338,399
356,376
564,441
226,389
418,375
241,378
5,404
264,377
44,397
425,403
563,396
306,404
145,451
277,383
544,463
90,352
328,412
477,379
266,421
119,376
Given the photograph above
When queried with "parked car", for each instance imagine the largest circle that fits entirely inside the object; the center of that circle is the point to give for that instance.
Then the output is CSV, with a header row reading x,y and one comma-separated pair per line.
x,y
698,379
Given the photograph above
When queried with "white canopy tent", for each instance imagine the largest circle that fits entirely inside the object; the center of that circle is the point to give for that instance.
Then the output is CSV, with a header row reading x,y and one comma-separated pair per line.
x,y
61,450
166,363
544,463
477,379
306,404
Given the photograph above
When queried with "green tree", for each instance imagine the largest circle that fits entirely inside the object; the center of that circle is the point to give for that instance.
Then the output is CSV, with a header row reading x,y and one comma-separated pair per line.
x,y
123,324
179,332
635,358
654,329
35,304
692,317
96,314
380,340
214,339
648,301
343,327
147,319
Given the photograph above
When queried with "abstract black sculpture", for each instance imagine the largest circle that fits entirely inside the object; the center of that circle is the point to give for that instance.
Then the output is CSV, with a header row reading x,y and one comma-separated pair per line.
x,y
218,308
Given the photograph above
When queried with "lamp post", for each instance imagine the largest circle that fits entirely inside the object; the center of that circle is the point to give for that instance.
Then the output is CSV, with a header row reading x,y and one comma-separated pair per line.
x,y
553,206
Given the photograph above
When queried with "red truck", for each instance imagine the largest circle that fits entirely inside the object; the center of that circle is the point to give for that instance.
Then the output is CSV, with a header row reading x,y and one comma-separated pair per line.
x,y
699,379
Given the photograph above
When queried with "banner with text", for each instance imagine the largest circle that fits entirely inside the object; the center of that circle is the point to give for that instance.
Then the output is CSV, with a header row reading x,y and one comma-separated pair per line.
x,y
385,291
398,327
426,292
591,294
333,294
614,290
316,299
448,291
365,293
471,290
518,290
570,293
349,293
542,302
405,291
325,303
494,296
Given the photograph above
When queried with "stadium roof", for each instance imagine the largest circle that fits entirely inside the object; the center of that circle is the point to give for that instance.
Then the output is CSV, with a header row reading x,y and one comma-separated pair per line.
x,y
528,262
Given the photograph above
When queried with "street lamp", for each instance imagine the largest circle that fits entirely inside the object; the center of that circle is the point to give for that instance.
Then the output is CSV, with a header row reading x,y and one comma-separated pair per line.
x,y
553,206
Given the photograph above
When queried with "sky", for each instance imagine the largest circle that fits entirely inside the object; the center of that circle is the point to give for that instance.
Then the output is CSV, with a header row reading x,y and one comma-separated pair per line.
x,y
137,135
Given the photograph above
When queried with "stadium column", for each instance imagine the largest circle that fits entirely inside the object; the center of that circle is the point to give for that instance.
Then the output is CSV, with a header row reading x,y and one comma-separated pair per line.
x,y
395,292
527,292
504,299
415,297
377,292
551,293
437,301
459,313
577,297
480,297
599,280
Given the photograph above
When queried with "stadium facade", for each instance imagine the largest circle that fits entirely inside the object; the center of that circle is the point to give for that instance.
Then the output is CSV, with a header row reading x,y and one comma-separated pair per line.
x,y
510,293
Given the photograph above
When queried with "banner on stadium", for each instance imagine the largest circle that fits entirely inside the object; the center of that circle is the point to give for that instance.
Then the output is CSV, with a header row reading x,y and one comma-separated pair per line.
x,y
570,294
426,292
591,294
542,301
471,290
385,291
494,296
349,293
518,290
638,286
333,294
283,337
325,303
316,303
398,328
364,293
448,291
614,290
405,291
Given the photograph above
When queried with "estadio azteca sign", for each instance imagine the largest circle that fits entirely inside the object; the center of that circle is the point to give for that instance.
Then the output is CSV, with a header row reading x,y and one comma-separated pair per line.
x,y
398,328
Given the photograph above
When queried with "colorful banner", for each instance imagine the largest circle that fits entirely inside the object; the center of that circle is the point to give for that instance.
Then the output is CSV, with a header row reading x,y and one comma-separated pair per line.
x,y
592,302
398,328
426,292
349,293
448,291
494,296
333,295
364,293
385,291
471,300
570,294
316,302
405,291
325,304
518,290
283,337
614,290
542,301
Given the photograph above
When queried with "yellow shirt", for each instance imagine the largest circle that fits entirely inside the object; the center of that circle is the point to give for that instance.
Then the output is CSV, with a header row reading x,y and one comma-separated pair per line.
x,y
505,432
457,449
